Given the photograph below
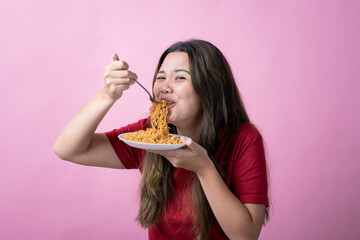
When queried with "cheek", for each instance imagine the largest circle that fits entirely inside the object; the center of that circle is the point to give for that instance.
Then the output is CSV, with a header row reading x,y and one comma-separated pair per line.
x,y
156,89
193,103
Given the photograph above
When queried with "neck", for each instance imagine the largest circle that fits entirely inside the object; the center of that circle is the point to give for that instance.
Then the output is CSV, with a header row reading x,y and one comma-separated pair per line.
x,y
191,132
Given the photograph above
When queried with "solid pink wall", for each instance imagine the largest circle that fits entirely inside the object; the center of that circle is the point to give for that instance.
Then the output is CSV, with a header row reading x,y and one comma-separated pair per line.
x,y
297,67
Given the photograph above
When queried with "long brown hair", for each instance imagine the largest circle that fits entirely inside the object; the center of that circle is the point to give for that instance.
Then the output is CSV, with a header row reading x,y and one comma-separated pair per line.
x,y
222,107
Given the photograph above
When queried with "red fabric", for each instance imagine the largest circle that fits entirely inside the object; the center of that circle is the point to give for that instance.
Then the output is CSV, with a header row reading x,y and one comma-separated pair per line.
x,y
240,155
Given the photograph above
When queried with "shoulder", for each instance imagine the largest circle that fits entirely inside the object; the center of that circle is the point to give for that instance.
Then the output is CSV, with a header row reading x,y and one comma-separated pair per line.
x,y
240,141
243,133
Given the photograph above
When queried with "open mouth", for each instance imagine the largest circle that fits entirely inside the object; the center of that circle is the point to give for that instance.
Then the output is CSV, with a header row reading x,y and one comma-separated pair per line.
x,y
171,104
168,100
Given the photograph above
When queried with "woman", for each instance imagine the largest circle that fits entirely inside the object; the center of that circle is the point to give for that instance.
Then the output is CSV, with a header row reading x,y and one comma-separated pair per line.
x,y
213,188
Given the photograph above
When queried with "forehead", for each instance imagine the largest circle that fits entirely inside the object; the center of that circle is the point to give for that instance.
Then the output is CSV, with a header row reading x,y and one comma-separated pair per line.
x,y
175,60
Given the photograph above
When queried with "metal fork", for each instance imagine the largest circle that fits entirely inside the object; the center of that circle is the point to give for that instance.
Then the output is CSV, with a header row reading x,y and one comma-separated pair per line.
x,y
116,58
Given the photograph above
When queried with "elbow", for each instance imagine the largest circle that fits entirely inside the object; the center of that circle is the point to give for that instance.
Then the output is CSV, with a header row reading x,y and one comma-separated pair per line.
x,y
59,151
242,237
242,234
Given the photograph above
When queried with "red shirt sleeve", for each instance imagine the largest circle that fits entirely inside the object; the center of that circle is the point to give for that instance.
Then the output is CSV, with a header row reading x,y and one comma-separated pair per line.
x,y
130,157
248,171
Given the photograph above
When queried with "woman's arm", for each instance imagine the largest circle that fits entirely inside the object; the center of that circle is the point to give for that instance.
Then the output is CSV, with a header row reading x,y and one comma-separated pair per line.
x,y
238,220
78,142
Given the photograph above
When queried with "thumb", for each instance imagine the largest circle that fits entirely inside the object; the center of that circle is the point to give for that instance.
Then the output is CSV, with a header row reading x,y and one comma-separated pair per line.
x,y
186,140
115,57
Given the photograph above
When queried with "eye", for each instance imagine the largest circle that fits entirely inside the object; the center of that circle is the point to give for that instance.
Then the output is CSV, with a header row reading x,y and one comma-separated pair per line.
x,y
160,78
180,78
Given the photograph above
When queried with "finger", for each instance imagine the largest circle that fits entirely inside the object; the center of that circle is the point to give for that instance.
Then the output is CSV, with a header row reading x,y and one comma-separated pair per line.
x,y
124,87
118,65
122,74
120,81
115,57
118,88
186,140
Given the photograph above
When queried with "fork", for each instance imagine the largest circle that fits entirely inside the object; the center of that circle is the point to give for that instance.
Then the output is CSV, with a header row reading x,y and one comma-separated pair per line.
x,y
116,58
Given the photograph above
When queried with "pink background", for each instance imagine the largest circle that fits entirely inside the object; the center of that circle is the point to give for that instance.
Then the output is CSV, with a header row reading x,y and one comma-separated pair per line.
x,y
297,64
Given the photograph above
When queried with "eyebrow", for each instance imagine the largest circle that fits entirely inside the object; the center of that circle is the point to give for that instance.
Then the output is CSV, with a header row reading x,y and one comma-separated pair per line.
x,y
177,70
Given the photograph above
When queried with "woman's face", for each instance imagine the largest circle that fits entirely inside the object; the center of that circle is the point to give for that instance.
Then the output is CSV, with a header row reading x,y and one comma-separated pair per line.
x,y
173,84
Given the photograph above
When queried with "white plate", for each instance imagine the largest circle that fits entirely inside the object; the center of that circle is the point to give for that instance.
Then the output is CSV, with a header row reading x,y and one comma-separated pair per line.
x,y
151,146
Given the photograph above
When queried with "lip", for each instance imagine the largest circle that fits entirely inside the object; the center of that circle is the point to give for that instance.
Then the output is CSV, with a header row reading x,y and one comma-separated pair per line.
x,y
171,105
168,100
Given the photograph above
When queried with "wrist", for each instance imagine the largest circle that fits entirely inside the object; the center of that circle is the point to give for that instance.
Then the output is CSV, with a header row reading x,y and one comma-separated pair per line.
x,y
106,96
206,169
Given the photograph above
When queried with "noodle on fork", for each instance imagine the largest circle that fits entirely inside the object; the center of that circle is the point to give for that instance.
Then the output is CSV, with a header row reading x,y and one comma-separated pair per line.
x,y
159,133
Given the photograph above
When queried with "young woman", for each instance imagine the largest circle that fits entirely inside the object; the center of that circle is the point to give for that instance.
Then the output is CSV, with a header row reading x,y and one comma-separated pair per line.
x,y
213,188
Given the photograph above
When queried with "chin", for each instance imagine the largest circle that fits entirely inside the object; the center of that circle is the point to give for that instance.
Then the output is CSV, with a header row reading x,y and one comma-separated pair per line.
x,y
169,121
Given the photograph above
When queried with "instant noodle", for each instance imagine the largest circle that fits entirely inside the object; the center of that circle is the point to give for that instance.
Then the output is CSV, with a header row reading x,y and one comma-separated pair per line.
x,y
159,133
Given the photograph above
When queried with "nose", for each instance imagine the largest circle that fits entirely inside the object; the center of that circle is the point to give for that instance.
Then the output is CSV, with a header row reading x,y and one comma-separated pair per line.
x,y
166,87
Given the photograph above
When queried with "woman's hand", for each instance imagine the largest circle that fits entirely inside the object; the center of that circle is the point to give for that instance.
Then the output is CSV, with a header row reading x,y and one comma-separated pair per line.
x,y
118,78
192,157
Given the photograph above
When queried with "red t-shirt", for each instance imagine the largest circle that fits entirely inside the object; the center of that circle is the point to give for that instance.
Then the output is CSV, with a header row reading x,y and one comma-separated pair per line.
x,y
240,155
